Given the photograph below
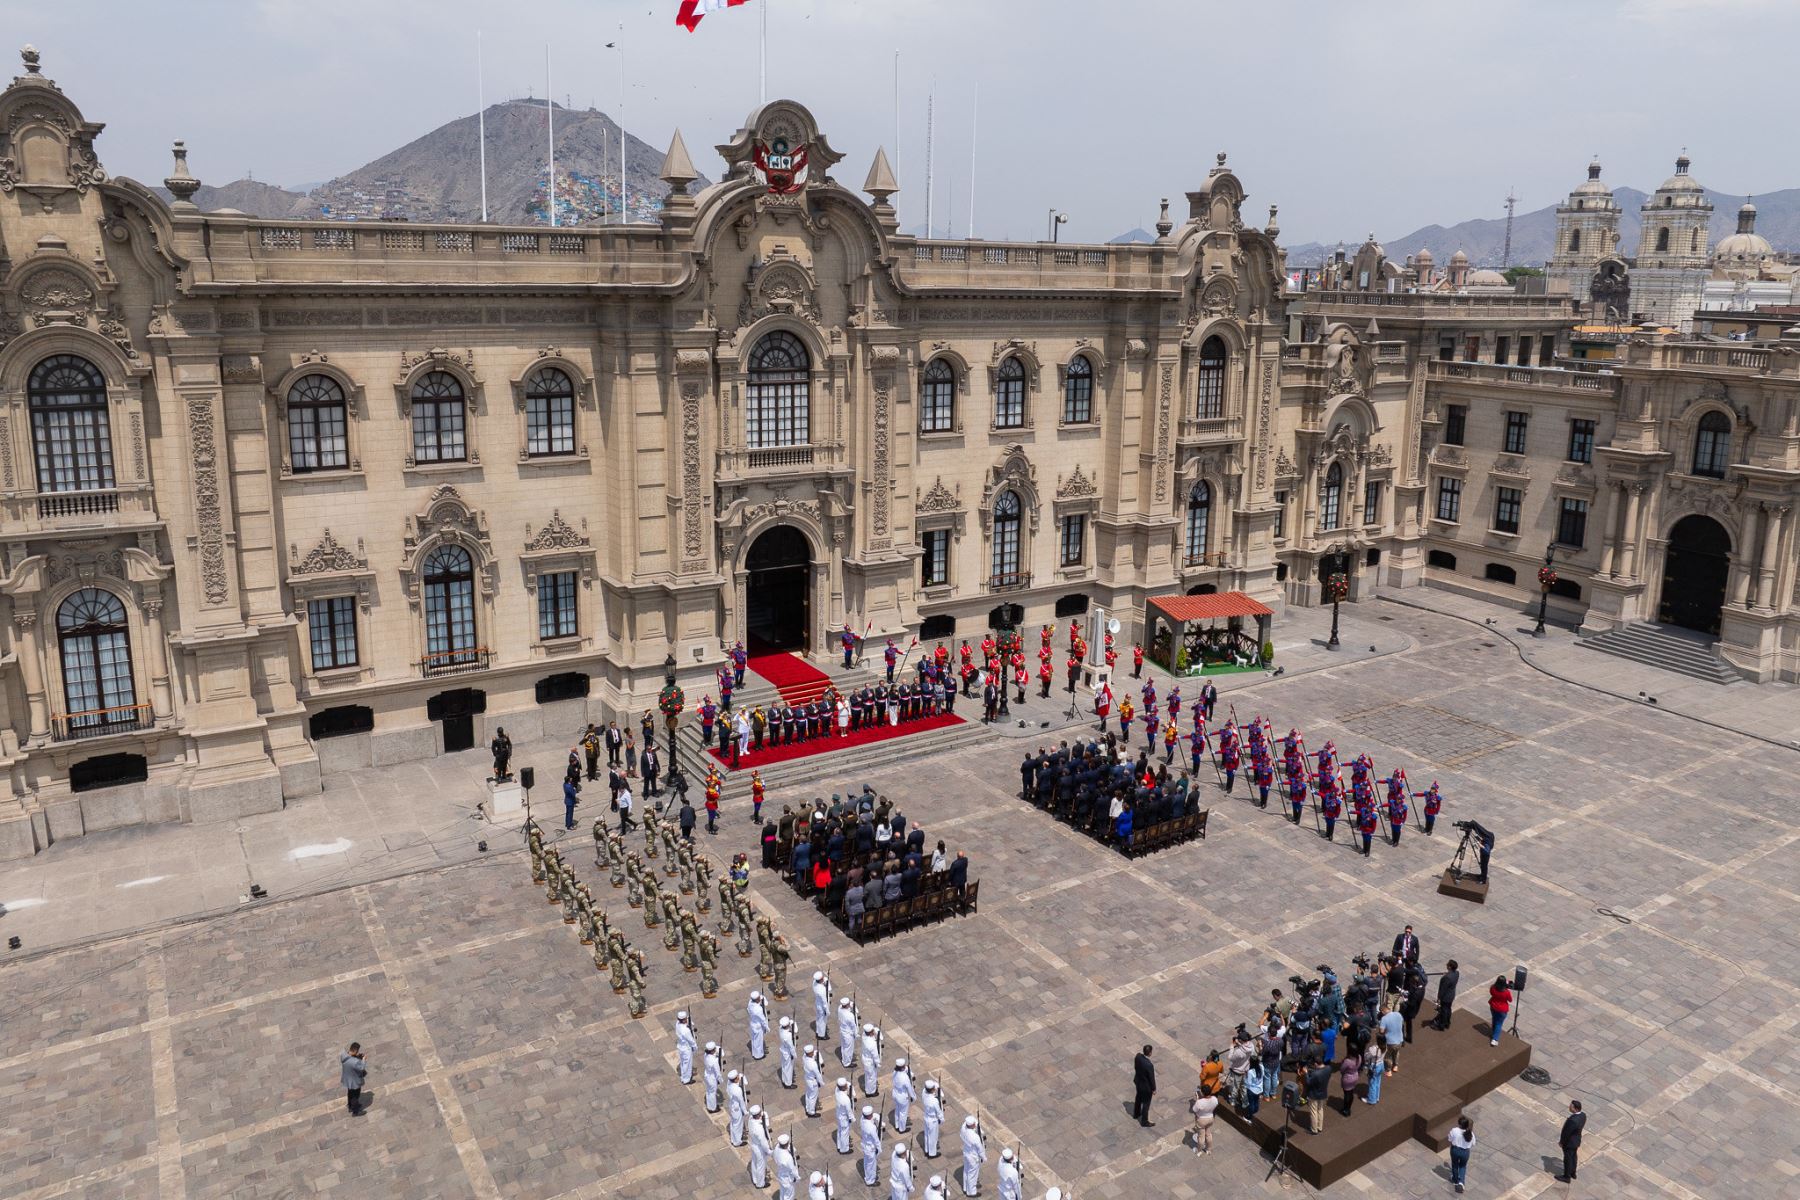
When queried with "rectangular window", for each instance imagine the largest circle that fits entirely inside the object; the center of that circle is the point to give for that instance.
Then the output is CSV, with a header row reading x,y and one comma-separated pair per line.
x,y
74,448
1281,514
1546,351
1449,505
1074,540
1581,441
1571,523
331,622
1524,359
777,410
549,425
1372,502
1472,348
556,605
316,438
1446,349
1456,424
1501,346
1209,390
1515,432
438,431
934,564
1506,510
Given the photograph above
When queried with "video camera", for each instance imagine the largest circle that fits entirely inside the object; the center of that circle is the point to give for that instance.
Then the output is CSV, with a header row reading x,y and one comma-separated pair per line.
x,y
1304,989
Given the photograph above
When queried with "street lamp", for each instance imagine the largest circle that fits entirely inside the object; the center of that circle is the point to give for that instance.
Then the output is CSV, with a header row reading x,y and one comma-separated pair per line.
x,y
1057,220
1546,581
1337,586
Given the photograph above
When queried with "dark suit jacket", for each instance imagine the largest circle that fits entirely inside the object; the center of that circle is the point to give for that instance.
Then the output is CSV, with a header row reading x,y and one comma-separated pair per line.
x,y
1446,993
1571,1131
1401,937
1144,1073
959,872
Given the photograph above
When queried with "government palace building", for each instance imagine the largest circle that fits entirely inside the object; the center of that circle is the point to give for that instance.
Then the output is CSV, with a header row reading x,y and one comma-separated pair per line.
x,y
284,496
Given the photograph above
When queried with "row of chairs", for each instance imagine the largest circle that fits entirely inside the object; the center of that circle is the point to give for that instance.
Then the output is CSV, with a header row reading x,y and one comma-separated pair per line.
x,y
920,910
1167,833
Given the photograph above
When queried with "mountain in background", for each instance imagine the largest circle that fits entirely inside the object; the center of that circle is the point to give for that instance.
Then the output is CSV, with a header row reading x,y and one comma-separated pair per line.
x,y
438,177
1534,233
1139,236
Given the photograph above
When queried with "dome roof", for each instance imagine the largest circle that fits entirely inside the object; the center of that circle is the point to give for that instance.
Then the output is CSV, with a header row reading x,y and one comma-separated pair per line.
x,y
1424,258
1459,259
1744,245
1593,186
1487,278
1681,181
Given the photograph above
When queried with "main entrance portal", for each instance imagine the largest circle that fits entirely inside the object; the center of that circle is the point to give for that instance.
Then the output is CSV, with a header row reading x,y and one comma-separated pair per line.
x,y
777,592
1695,568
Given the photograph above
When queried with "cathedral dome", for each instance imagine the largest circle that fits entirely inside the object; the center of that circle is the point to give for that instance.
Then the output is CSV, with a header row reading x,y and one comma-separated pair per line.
x,y
1681,182
1487,278
1593,187
1746,244
1459,259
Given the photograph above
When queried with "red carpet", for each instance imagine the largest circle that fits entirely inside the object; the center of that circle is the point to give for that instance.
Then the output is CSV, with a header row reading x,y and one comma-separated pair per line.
x,y
862,737
798,681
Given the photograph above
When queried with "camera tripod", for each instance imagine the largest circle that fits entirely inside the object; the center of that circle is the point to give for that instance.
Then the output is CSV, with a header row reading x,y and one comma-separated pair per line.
x,y
1462,851
1280,1165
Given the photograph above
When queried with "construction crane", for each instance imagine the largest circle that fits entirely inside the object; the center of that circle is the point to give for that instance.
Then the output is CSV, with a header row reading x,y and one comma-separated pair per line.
x,y
1506,250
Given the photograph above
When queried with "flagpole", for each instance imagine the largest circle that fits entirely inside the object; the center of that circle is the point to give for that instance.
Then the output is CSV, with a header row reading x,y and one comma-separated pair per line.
x,y
930,145
550,125
481,124
763,55
896,113
624,199
974,117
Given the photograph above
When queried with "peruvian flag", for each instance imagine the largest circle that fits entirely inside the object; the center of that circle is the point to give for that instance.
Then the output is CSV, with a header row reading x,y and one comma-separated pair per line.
x,y
692,10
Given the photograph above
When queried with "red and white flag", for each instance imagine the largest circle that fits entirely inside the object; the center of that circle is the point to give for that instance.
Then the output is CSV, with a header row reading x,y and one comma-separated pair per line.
x,y
688,17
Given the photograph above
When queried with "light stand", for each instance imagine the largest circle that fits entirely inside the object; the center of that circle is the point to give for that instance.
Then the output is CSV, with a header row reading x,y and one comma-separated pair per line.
x,y
1280,1165
1546,578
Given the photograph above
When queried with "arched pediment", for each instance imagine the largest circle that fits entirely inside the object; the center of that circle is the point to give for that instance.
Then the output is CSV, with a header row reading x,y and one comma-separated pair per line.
x,y
46,147
458,364
1026,353
316,363
19,354
448,517
553,358
1014,472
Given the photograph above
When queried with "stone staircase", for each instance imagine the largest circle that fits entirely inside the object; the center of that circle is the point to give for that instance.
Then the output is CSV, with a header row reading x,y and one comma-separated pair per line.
x,y
1680,650
839,769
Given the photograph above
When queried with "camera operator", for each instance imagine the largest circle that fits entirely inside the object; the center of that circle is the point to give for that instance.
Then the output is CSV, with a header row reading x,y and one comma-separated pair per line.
x,y
1393,983
1330,1015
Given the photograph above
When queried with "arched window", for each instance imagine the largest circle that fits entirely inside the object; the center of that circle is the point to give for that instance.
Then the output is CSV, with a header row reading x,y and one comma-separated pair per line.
x,y
439,417
1009,395
549,413
449,607
96,663
937,397
1331,504
317,425
1199,517
67,398
1209,389
1078,391
1006,539
1662,238
1574,240
779,405
1712,444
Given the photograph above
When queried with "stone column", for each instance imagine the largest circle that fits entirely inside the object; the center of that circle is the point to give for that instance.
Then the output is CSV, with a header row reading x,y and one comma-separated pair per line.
x,y
31,663
1634,497
161,704
1741,558
740,591
1610,543
1776,517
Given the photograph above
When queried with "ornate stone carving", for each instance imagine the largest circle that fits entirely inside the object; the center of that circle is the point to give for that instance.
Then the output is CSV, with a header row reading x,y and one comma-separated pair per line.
x,y
1264,404
884,385
1217,297
1165,393
693,538
692,362
137,449
1075,486
939,499
437,356
1284,466
57,296
779,284
781,507
237,320
1574,475
85,567
1689,494
1512,464
208,513
1380,456
448,518
1136,348
328,557
241,368
6,450
884,358
1450,456
1013,472
557,534
117,332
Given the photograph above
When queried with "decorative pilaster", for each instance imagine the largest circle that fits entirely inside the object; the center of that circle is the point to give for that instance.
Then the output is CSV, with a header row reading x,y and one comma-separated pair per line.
x,y
1634,503
31,664
1773,521
161,702
1743,560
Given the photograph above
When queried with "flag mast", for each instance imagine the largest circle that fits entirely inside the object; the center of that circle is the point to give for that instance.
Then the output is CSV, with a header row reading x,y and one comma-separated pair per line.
x,y
763,55
975,116
930,145
550,116
624,198
481,124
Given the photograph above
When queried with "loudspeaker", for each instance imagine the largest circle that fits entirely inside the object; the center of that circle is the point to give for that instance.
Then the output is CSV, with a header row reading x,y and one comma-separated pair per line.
x,y
1290,1095
527,777
1518,979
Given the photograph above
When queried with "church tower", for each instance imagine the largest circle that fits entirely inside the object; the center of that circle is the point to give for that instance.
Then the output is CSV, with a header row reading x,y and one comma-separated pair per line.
x,y
1587,230
1673,250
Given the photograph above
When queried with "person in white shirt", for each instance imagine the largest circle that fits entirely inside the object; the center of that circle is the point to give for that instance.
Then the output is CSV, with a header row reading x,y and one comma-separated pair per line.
x,y
1203,1108
973,1155
1462,1140
684,1048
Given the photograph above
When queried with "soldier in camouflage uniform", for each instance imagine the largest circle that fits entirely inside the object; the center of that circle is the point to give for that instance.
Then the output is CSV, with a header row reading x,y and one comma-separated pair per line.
x,y
615,858
634,881
685,855
727,907
584,914
534,841
690,939
615,956
671,912
765,960
652,819
709,964
552,873
746,923
565,893
652,899
780,954
634,982
600,850
703,883
671,840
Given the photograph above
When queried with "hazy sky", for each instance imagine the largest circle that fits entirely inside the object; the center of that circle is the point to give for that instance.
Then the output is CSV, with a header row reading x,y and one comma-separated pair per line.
x,y
1352,115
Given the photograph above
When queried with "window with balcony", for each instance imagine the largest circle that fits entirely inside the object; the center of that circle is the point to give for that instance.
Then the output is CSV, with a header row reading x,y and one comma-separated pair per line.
x,y
1078,391
318,425
1331,500
549,413
556,605
1581,441
937,397
1506,509
67,399
1009,395
1571,523
934,564
439,419
1199,520
1074,539
778,408
1712,444
331,628
1449,500
1456,424
1006,539
1209,389
1516,423
449,608
95,646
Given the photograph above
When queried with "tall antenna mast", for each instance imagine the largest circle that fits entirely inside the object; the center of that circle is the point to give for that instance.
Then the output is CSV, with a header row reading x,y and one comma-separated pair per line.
x,y
930,145
763,54
896,113
481,124
1506,249
624,196
974,116
550,125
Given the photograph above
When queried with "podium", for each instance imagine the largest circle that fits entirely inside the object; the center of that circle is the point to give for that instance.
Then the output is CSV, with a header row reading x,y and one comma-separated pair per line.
x,y
504,802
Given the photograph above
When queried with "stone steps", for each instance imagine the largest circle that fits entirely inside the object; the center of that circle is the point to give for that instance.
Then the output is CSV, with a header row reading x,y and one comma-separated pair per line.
x,y
847,766
1655,646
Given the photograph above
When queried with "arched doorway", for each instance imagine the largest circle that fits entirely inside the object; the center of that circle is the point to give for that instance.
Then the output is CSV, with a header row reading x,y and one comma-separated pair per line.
x,y
1695,568
777,593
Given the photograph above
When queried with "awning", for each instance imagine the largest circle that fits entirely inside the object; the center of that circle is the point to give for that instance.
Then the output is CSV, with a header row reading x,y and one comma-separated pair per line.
x,y
1217,605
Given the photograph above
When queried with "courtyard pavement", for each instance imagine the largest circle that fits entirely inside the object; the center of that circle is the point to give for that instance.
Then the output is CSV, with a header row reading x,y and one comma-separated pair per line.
x,y
1644,873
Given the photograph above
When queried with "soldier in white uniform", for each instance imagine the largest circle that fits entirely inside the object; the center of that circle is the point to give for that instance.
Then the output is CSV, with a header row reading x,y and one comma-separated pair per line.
x,y
785,1038
933,1105
900,1184
734,1108
871,1145
871,1059
846,1112
758,1010
787,1170
713,1077
934,1188
759,1146
821,1004
902,1088
814,1075
847,1032
974,1154
818,1187
684,1048
1009,1176
1054,1193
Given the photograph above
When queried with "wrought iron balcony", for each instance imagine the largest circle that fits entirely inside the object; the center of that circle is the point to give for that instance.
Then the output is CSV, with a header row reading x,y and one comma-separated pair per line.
x,y
98,722
455,662
1008,581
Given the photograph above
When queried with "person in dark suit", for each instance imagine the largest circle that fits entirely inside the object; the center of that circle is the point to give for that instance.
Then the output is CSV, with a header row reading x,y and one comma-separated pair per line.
x,y
1570,1140
1406,945
1144,1080
959,872
1446,995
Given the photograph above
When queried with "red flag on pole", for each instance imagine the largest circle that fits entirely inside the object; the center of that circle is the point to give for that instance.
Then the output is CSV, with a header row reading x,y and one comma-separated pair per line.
x,y
688,16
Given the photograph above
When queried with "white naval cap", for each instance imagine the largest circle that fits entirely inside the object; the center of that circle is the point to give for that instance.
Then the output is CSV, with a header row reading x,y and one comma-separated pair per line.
x,y
1054,1193
786,1022
868,1111
782,1141
844,1002
937,1181
930,1084
816,1179
843,1084
681,1018
868,1029
1006,1155
818,977
756,995
712,1047
811,1051
756,1110
969,1122
731,1075
899,1064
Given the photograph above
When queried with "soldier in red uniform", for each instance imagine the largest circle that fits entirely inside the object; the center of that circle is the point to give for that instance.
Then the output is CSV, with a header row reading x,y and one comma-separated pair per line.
x,y
1366,823
1228,753
1137,661
1296,777
1396,803
1433,804
1045,676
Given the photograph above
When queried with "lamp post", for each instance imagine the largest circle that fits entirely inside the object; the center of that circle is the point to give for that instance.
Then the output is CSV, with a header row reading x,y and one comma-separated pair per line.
x,y
1337,585
1546,581
1057,220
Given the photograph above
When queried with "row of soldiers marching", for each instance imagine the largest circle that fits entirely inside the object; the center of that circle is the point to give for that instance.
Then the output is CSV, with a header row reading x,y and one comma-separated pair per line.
x,y
860,1043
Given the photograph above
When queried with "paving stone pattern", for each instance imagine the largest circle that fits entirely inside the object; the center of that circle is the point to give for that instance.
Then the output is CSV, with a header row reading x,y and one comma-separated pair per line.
x,y
1644,873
